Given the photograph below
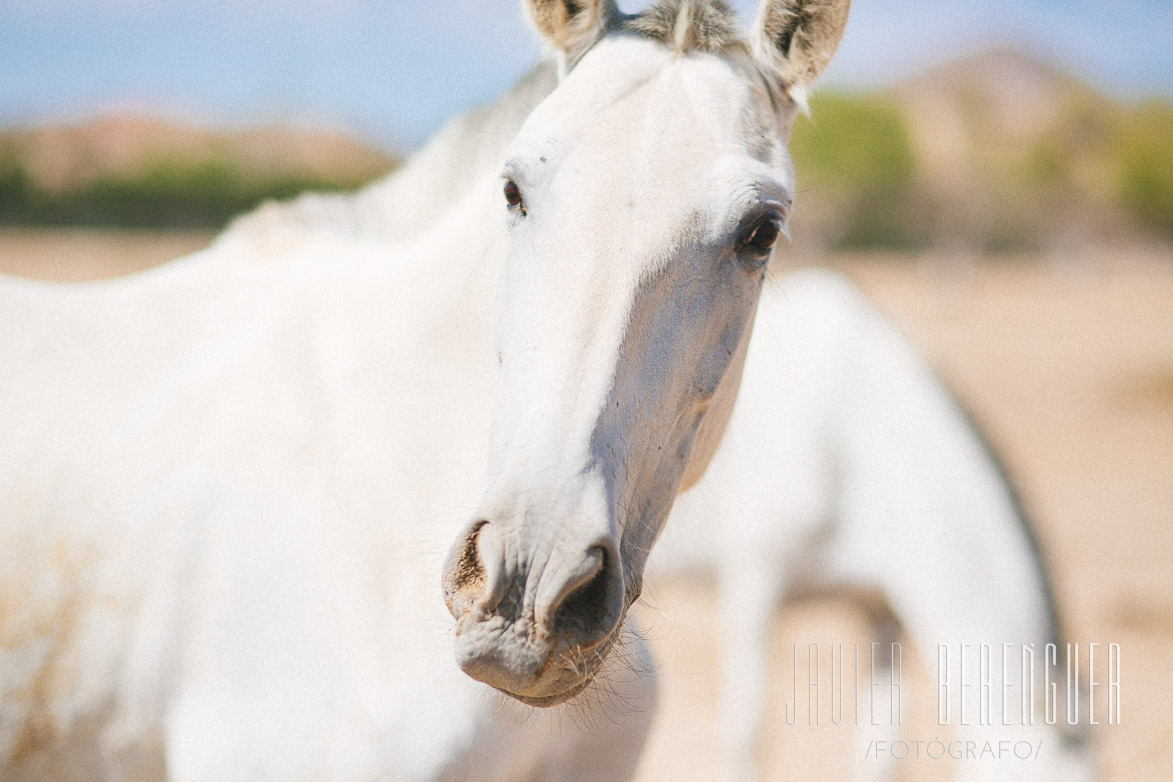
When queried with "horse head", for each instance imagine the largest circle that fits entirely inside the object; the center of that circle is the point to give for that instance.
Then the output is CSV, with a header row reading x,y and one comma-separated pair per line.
x,y
642,201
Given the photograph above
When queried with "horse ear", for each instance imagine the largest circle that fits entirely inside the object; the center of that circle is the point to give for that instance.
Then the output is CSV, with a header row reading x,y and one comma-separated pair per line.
x,y
795,40
571,26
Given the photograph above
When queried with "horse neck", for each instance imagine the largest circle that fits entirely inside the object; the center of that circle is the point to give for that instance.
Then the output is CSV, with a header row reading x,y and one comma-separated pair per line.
x,y
469,148
406,204
915,470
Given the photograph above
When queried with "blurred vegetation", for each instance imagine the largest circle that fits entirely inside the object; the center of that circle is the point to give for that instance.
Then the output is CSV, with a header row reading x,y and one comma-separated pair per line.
x,y
855,157
959,157
1143,162
1094,170
162,194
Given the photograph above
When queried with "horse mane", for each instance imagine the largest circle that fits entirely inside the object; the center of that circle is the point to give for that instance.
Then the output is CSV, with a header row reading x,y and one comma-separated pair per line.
x,y
405,202
686,25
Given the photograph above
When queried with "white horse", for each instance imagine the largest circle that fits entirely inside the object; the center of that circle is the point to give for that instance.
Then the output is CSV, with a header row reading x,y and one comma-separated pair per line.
x,y
224,484
848,467
846,464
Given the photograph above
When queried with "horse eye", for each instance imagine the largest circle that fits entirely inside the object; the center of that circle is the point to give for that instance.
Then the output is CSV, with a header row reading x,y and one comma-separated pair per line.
x,y
513,195
764,236
755,246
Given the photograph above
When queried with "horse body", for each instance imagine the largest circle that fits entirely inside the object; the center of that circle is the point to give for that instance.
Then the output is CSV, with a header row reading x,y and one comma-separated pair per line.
x,y
176,513
848,466
228,483
862,450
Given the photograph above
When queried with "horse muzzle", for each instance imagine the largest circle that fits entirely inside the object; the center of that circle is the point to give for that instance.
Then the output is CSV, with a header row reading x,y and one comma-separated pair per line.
x,y
535,624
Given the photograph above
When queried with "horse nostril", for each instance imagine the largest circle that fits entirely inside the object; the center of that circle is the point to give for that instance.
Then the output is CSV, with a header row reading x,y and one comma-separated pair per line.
x,y
464,576
589,610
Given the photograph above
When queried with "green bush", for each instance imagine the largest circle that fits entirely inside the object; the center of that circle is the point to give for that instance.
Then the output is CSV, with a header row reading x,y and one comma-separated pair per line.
x,y
856,152
1144,165
16,191
161,195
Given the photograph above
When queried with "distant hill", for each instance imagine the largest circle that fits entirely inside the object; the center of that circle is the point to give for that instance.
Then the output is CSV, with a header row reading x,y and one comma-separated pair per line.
x,y
1003,89
995,151
136,170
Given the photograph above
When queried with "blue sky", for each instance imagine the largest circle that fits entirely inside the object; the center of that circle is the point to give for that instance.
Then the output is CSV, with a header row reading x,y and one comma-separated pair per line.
x,y
393,70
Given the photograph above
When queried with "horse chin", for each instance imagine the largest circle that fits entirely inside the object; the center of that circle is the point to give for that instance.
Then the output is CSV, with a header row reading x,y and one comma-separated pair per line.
x,y
564,673
548,701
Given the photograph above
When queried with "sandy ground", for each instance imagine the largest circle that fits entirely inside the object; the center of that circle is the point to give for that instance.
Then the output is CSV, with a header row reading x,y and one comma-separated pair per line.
x,y
1068,367
79,254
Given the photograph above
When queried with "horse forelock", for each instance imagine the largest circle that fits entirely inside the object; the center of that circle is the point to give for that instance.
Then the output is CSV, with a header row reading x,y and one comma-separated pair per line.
x,y
687,25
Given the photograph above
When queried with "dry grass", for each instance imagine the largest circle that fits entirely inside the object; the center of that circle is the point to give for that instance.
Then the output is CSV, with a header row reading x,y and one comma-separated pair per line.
x,y
1070,370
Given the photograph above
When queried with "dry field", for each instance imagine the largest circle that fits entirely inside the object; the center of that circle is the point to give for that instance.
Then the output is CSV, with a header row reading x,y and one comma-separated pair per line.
x,y
1069,368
